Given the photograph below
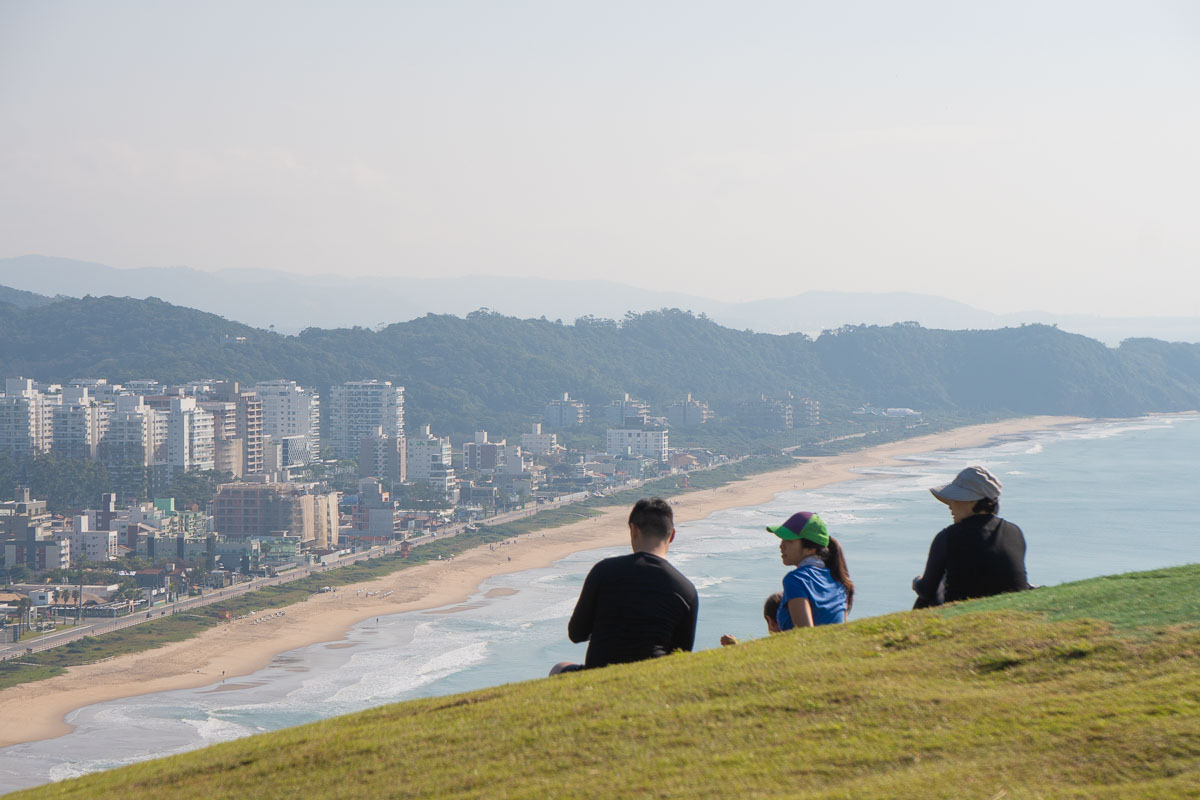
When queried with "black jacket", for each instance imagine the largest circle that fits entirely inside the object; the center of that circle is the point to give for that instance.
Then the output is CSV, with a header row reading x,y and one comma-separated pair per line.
x,y
978,557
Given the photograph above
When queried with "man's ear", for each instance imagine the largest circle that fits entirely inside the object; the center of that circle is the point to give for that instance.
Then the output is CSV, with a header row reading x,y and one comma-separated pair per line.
x,y
672,537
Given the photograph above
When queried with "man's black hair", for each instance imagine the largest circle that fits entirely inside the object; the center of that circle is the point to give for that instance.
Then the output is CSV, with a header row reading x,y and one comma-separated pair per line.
x,y
653,517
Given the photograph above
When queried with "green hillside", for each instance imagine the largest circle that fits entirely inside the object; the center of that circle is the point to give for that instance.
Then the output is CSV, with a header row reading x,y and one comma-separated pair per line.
x,y
1060,692
497,372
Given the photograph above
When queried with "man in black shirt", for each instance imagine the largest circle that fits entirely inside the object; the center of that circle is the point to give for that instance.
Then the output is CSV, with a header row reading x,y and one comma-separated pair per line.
x,y
980,554
637,606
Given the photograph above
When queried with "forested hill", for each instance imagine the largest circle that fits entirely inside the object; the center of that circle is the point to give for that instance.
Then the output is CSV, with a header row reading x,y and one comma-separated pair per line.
x,y
22,299
488,369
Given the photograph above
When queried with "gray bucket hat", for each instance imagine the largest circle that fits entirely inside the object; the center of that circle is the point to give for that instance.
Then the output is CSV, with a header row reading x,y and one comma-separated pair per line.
x,y
973,483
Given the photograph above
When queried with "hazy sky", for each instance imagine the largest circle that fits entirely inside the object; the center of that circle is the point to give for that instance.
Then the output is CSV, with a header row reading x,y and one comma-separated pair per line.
x,y
1011,155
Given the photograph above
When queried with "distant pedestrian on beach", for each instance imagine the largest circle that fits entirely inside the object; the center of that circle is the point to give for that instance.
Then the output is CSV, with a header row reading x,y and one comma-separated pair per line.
x,y
980,554
818,590
637,606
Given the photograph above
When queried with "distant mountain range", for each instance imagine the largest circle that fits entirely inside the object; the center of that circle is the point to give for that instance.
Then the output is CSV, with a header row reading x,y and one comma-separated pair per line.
x,y
289,303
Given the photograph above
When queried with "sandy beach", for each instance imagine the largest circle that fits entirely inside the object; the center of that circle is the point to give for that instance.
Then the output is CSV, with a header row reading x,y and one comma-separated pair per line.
x,y
37,710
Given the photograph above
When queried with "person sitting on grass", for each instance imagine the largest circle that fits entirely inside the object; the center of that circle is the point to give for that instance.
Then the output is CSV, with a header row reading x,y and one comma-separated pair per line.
x,y
636,606
770,612
980,554
818,591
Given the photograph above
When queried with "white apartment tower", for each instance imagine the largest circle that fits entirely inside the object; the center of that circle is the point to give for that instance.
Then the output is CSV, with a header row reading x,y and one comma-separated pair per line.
x,y
190,437
427,459
26,417
357,408
291,410
80,423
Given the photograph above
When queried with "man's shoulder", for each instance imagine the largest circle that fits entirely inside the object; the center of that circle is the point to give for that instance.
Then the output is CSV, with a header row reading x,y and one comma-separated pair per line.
x,y
645,563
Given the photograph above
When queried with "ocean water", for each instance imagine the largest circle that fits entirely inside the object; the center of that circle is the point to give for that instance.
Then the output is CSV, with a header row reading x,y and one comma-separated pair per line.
x,y
1093,499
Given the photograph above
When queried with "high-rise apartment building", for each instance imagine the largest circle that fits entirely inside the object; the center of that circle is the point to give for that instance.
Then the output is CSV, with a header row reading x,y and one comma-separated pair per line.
x,y
190,440
238,428
229,451
688,412
26,417
80,424
428,460
626,412
564,413
357,408
382,456
134,432
291,410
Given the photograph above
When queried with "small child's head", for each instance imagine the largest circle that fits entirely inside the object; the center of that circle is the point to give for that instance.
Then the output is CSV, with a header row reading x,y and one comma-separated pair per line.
x,y
771,610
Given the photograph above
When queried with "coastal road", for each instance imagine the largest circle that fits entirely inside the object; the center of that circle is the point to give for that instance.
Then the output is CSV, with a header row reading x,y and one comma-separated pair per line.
x,y
100,626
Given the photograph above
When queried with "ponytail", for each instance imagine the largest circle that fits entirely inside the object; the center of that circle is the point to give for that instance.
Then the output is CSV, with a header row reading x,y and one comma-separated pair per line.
x,y
835,561
986,505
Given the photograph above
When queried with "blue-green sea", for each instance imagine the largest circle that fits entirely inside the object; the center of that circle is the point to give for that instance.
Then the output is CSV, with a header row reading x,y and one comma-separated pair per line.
x,y
1093,499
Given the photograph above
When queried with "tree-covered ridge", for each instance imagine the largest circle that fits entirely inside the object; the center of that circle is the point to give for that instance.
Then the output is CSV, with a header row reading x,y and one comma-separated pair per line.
x,y
496,371
23,299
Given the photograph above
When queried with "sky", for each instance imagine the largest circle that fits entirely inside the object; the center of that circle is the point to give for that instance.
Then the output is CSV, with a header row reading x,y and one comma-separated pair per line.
x,y
1014,156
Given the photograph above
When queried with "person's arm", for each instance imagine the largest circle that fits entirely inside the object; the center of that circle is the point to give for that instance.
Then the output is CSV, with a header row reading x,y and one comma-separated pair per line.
x,y
1021,550
801,611
935,567
583,618
685,634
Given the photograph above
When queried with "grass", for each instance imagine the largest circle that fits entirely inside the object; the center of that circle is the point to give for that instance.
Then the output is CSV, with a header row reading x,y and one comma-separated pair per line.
x,y
1130,601
1020,696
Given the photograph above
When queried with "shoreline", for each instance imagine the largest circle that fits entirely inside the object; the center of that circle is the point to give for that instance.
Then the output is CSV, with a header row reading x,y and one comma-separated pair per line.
x,y
241,648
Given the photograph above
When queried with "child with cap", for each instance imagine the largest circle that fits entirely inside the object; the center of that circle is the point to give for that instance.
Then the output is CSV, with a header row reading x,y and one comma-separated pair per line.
x,y
818,591
980,554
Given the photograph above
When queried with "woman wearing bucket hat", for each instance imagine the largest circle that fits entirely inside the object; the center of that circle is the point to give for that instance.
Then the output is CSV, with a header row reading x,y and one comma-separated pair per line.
x,y
818,591
980,554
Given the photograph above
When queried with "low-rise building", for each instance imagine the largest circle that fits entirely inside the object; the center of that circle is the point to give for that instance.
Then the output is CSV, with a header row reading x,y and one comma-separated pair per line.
x,y
649,442
539,443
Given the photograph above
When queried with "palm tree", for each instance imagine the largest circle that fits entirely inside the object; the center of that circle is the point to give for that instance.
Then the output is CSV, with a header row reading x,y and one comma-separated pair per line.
x,y
23,606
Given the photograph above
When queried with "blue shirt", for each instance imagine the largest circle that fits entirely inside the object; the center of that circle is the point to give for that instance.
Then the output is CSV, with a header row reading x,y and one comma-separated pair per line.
x,y
812,581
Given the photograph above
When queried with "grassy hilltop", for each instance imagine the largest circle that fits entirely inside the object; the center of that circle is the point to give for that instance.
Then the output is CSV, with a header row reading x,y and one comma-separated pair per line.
x,y
1089,689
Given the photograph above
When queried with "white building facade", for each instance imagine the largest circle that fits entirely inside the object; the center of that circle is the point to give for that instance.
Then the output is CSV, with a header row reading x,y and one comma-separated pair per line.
x,y
291,410
26,417
357,408
644,442
428,461
190,437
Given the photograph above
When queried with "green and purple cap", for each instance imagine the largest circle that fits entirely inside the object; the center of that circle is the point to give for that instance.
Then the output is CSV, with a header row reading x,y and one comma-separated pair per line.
x,y
803,525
